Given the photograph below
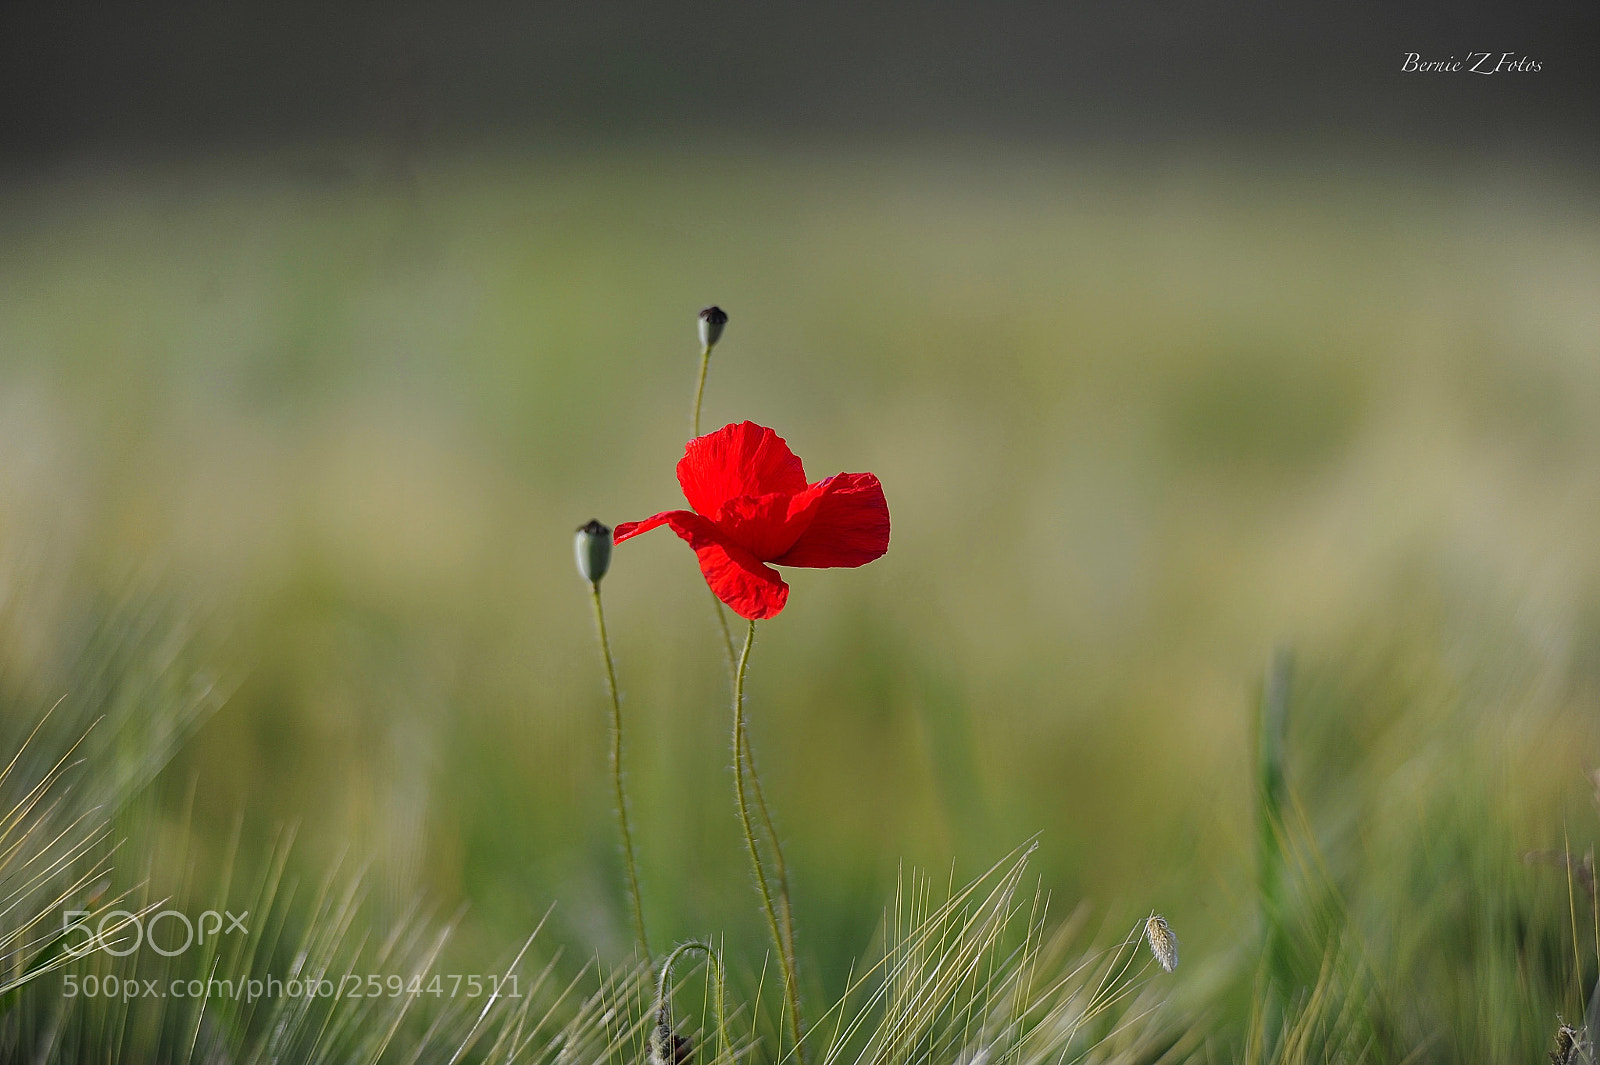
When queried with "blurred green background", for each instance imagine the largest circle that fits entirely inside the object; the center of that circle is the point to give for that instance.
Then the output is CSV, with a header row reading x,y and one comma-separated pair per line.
x,y
1142,417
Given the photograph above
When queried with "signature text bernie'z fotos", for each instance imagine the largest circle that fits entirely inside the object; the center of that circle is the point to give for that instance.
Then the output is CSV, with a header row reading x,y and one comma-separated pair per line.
x,y
1474,63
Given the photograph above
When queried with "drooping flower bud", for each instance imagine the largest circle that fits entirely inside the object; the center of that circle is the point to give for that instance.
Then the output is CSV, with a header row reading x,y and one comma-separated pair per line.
x,y
667,1047
712,319
593,548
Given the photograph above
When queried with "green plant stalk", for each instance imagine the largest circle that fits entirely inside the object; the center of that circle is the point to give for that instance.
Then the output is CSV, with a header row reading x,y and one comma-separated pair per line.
x,y
1572,916
791,987
634,900
780,867
727,634
1271,800
700,391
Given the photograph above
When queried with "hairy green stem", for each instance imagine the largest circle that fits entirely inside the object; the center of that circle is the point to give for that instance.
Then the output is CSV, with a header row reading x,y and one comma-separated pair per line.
x,y
745,757
786,957
700,390
727,634
780,867
629,863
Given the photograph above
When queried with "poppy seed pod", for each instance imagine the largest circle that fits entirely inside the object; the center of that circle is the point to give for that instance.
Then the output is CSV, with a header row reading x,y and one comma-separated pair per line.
x,y
712,319
593,549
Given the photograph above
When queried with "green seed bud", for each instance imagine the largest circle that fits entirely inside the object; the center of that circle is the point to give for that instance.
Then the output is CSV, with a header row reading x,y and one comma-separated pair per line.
x,y
712,319
593,548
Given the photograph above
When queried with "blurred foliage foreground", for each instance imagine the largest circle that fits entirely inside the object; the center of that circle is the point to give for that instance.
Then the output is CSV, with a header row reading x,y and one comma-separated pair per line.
x,y
291,451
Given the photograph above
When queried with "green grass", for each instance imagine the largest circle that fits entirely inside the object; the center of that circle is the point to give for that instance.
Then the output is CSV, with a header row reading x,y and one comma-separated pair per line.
x,y
289,466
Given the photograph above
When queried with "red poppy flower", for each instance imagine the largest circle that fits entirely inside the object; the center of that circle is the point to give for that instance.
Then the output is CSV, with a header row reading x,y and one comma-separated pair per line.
x,y
752,506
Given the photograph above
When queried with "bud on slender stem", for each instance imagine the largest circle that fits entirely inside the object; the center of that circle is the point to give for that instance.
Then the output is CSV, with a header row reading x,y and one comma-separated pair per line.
x,y
712,321
593,549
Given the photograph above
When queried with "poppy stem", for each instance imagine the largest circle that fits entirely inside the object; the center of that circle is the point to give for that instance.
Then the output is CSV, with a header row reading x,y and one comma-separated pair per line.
x,y
741,762
629,862
662,1010
780,867
727,634
700,391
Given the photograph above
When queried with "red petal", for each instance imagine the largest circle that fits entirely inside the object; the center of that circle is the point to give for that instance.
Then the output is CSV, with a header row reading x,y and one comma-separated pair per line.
x,y
737,460
849,526
738,578
766,526
627,530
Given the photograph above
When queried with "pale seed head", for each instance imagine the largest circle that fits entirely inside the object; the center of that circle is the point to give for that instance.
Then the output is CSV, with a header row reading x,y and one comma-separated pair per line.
x,y
1163,944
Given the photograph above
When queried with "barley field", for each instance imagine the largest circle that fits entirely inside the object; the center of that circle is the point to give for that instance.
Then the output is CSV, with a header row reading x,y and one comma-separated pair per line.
x,y
1243,570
